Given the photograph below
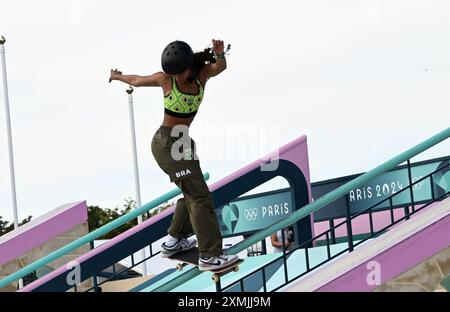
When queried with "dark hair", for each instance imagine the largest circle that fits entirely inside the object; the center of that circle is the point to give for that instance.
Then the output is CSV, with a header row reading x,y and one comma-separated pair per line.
x,y
201,59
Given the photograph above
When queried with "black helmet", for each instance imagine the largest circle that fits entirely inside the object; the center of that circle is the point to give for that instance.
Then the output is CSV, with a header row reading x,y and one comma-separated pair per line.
x,y
177,57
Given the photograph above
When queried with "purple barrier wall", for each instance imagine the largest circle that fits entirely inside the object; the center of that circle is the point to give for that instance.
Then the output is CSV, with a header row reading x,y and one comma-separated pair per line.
x,y
397,259
41,230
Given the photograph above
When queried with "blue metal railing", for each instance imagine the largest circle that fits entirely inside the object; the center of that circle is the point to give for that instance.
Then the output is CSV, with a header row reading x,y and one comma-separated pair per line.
x,y
318,204
91,236
351,242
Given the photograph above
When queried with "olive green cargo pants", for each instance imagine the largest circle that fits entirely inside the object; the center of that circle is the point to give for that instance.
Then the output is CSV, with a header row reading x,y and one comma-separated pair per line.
x,y
195,212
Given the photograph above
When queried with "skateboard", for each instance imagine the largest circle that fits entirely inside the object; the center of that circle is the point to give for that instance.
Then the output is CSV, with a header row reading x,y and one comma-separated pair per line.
x,y
191,256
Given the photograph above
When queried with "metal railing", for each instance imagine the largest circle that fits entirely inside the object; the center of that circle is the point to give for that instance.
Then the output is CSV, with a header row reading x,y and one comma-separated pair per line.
x,y
317,204
116,275
446,283
347,223
91,236
261,249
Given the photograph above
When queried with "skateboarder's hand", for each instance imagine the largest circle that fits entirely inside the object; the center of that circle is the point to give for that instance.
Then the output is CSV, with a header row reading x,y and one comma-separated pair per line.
x,y
114,74
218,46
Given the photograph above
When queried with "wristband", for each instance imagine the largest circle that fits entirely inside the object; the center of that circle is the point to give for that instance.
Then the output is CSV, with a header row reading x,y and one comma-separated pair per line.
x,y
220,56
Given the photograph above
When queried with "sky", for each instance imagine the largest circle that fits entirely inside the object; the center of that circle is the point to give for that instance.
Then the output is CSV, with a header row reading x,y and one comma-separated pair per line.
x,y
363,80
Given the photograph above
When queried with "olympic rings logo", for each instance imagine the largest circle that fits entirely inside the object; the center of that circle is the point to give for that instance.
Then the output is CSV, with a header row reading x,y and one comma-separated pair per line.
x,y
251,214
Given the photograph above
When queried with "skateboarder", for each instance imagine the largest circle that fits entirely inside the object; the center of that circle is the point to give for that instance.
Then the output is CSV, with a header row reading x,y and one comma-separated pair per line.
x,y
183,82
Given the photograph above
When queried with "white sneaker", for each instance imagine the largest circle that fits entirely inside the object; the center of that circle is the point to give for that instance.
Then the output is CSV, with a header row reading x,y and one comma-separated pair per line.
x,y
182,244
215,263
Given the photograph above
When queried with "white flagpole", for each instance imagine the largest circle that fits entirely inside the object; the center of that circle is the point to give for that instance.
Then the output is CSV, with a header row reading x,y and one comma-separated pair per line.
x,y
8,131
136,168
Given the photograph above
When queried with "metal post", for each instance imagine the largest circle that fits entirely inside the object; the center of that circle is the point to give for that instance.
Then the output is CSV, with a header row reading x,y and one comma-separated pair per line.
x,y
283,238
371,222
328,245
391,210
136,170
135,159
349,223
433,196
8,130
94,276
218,286
411,192
406,211
263,247
9,136
333,233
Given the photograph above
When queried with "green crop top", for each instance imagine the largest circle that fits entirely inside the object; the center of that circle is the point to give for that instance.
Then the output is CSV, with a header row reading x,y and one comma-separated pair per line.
x,y
183,105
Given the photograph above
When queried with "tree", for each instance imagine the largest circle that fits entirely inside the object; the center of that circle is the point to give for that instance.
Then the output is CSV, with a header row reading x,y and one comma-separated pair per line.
x,y
97,217
3,225
6,226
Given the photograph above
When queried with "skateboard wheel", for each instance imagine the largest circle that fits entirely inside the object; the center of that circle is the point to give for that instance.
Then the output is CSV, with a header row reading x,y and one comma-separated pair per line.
x,y
215,278
236,268
180,267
